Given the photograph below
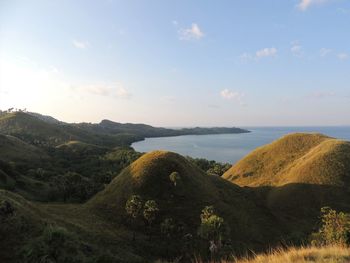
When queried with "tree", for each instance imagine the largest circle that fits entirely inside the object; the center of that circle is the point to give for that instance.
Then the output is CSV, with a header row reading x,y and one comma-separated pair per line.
x,y
174,177
133,209
212,229
150,212
335,228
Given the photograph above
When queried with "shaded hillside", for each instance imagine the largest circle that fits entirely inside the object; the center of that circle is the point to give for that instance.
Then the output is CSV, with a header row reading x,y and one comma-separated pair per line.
x,y
14,149
102,225
43,133
257,217
295,158
251,225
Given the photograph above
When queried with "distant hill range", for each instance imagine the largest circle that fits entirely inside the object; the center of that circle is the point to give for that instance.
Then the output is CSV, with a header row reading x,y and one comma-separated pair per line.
x,y
46,130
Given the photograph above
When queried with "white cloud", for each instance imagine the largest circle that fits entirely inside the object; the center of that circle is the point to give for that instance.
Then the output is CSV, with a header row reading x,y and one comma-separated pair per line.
x,y
305,4
266,52
343,56
192,33
325,51
81,44
232,95
116,90
296,49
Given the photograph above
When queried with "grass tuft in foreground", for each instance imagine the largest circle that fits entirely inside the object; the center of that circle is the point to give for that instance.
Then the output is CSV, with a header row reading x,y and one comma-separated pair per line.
x,y
329,254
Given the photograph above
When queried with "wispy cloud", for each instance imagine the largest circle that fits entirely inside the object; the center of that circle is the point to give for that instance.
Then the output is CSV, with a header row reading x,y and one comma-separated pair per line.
x,y
305,4
81,44
343,56
232,95
116,90
325,51
192,33
297,49
262,53
321,94
266,52
246,57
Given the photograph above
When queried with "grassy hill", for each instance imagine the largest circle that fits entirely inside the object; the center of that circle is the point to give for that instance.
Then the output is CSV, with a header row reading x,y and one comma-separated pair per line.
x,y
297,175
148,177
102,225
296,158
275,197
14,149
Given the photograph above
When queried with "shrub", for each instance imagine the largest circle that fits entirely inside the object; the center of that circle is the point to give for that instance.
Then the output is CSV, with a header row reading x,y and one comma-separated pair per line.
x,y
335,228
55,244
174,177
150,211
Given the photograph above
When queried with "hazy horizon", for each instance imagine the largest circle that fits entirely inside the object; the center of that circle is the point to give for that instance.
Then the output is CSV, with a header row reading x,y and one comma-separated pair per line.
x,y
184,63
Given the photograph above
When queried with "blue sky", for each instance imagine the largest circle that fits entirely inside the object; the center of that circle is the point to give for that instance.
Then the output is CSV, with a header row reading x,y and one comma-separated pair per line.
x,y
178,63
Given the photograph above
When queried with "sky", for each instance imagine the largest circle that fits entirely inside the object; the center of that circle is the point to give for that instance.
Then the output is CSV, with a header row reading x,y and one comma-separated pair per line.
x,y
178,63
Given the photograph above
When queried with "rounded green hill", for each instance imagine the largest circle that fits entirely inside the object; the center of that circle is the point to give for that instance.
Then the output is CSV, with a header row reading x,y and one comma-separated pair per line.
x,y
149,177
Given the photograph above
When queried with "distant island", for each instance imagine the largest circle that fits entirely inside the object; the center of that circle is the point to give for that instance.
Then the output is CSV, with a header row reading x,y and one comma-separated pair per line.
x,y
25,125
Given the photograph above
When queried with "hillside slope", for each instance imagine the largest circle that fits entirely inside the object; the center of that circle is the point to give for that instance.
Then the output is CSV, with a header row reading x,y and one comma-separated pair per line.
x,y
296,158
252,225
38,131
14,149
297,175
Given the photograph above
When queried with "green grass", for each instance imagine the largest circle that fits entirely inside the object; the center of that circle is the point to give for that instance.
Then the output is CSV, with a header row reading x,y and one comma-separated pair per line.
x,y
14,149
148,177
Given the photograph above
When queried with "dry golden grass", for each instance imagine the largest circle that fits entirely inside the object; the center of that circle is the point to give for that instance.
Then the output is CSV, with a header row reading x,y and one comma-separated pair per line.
x,y
333,254
295,158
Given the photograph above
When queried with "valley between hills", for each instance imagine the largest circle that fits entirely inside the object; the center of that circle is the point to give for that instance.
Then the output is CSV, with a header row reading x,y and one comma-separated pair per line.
x,y
80,193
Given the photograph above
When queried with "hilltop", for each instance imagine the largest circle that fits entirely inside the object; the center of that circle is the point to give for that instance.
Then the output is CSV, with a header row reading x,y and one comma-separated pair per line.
x,y
295,158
